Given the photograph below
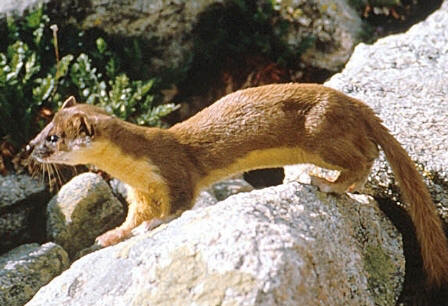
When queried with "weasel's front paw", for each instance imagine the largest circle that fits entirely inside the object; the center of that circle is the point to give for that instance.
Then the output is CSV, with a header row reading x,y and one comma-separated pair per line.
x,y
112,237
149,225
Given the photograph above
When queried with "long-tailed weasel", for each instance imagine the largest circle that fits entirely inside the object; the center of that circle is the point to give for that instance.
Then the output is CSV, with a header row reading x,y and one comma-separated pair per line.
x,y
260,127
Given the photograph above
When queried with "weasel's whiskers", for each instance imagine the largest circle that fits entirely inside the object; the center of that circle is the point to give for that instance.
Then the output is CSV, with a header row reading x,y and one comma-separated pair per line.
x,y
50,175
60,180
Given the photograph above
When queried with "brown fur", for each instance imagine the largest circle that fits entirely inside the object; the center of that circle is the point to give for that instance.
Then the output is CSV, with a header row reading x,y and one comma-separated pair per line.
x,y
260,127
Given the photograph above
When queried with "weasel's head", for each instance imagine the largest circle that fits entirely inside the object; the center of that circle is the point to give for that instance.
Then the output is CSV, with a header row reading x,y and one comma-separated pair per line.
x,y
70,137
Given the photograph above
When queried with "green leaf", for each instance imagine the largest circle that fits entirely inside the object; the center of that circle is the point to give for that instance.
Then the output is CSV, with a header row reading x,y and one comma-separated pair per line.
x,y
17,53
38,34
44,89
31,68
101,45
111,68
143,90
12,27
64,64
164,109
3,59
34,19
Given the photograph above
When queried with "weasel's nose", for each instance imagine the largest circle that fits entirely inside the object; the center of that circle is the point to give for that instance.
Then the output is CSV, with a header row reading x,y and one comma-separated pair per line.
x,y
39,138
29,148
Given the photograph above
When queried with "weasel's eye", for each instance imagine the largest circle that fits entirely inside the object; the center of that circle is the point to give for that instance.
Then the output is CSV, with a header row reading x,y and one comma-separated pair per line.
x,y
52,138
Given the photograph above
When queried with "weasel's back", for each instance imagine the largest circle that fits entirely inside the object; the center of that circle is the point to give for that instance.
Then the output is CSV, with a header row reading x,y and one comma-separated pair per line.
x,y
287,114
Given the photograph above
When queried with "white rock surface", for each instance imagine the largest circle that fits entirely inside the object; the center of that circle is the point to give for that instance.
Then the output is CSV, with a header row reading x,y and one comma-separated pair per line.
x,y
403,78
285,245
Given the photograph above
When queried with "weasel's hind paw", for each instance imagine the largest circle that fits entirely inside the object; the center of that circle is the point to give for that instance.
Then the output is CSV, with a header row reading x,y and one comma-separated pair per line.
x,y
327,186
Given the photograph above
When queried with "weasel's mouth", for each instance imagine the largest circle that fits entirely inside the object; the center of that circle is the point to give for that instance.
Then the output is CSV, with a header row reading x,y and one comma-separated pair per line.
x,y
39,155
50,158
39,158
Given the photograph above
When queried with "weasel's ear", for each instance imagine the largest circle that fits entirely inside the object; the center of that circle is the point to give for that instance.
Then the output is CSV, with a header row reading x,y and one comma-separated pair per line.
x,y
71,101
84,125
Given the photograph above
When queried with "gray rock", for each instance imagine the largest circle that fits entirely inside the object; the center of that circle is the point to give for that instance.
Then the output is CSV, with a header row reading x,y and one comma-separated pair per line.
x,y
83,209
17,188
18,7
285,245
333,27
329,29
333,24
220,191
25,269
204,199
22,203
404,79
118,188
225,189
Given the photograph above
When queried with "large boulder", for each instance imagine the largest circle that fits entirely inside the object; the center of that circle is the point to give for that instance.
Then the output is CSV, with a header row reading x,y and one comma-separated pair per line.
x,y
330,28
285,245
18,7
404,79
83,209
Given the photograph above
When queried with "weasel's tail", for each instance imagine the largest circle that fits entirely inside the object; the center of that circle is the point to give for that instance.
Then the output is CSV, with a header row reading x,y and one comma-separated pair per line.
x,y
430,234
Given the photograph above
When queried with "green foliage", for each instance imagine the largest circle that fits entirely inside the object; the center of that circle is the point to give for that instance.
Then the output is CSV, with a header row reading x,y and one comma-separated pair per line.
x,y
23,86
120,96
31,77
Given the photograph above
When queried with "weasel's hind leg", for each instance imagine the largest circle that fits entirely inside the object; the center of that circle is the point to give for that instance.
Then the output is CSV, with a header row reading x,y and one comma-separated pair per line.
x,y
354,166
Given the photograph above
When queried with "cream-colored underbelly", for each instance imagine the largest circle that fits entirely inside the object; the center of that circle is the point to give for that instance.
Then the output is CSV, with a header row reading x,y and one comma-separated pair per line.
x,y
259,159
